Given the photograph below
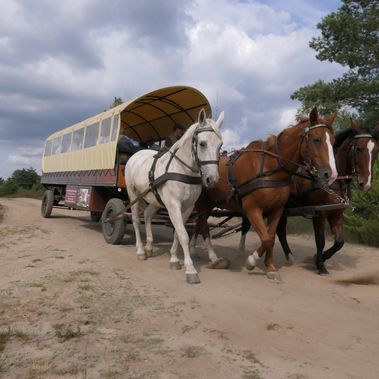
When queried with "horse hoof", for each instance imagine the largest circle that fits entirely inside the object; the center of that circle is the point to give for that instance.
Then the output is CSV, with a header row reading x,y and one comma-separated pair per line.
x,y
274,275
290,259
322,271
149,253
175,265
192,278
141,257
249,266
219,263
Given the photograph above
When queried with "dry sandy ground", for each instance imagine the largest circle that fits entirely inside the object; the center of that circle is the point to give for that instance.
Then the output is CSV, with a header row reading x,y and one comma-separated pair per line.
x,y
72,306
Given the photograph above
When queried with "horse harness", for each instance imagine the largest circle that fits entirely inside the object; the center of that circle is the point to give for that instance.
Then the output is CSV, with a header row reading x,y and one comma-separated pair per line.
x,y
352,148
342,182
260,181
154,183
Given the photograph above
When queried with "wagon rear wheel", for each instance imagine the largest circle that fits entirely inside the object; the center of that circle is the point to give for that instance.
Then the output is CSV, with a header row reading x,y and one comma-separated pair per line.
x,y
47,203
113,231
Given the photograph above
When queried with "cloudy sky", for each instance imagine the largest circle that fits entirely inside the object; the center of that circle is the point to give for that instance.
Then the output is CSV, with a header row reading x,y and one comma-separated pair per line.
x,y
64,61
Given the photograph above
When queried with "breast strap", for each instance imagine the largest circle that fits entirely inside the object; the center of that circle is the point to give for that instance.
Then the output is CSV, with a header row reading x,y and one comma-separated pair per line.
x,y
155,183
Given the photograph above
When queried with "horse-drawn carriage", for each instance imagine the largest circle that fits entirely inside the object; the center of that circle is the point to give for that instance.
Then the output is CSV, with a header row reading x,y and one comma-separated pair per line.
x,y
85,167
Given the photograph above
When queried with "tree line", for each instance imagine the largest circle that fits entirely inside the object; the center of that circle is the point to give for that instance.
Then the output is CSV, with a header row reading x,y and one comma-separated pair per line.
x,y
22,182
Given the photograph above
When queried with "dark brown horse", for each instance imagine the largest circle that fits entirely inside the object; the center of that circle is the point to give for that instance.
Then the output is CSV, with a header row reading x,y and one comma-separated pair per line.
x,y
356,151
256,181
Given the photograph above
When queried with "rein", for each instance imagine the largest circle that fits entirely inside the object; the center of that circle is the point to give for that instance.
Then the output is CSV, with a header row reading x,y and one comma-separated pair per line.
x,y
342,182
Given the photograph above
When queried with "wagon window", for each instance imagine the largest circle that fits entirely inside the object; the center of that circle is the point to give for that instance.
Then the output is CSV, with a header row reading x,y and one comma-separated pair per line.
x,y
48,148
56,146
92,132
77,139
105,130
115,127
66,142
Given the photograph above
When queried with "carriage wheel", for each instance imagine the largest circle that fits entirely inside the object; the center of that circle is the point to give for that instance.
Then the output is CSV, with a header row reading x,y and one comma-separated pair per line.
x,y
114,230
95,216
47,203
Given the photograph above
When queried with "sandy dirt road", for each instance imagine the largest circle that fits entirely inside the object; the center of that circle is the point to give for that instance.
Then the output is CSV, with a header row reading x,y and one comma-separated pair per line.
x,y
72,306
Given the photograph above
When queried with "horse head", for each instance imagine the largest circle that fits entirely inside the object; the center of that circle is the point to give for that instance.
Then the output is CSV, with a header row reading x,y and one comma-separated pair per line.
x,y
364,151
316,147
207,143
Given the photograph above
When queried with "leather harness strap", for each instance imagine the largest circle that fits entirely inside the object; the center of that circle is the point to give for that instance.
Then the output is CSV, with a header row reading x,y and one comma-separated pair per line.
x,y
259,183
154,183
253,184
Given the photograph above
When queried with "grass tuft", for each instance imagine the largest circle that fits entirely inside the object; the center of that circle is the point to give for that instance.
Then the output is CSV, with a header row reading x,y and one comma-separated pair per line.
x,y
65,333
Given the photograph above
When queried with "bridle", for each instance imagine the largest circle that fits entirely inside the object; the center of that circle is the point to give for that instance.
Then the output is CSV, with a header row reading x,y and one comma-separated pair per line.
x,y
199,162
352,151
310,166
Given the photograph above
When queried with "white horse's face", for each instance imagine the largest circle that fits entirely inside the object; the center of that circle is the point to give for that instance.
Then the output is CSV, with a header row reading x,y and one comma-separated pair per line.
x,y
208,144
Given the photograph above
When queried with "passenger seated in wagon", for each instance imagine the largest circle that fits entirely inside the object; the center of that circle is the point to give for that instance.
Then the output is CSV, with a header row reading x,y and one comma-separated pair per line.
x,y
177,133
126,147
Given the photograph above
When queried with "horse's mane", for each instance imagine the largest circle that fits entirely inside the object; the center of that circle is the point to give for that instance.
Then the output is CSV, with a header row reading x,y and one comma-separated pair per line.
x,y
341,137
269,143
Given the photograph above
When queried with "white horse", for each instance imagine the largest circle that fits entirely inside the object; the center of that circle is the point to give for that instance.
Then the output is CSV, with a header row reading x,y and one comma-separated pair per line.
x,y
174,181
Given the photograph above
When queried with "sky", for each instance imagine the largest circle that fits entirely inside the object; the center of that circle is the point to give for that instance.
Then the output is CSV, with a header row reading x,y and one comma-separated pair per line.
x,y
62,62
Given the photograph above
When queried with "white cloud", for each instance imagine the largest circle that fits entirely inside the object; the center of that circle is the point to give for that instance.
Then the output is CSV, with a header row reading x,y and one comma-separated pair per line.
x,y
18,159
60,63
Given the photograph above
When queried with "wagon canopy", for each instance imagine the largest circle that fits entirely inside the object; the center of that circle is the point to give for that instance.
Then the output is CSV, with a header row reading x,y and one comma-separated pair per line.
x,y
146,119
151,117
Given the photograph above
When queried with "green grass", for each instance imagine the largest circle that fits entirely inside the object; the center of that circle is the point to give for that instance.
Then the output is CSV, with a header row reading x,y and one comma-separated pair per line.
x,y
65,333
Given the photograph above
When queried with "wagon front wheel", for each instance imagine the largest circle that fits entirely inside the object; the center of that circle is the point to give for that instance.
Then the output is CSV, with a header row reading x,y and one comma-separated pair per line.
x,y
47,203
113,230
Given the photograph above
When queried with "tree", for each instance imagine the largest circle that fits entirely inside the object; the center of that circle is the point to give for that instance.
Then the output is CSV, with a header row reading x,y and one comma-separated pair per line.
x,y
116,101
25,178
363,223
348,37
1,180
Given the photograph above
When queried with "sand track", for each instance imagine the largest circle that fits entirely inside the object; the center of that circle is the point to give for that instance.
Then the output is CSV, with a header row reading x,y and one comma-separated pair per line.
x,y
72,306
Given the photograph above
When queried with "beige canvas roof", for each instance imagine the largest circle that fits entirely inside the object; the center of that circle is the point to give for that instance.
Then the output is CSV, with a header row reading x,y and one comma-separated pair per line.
x,y
151,117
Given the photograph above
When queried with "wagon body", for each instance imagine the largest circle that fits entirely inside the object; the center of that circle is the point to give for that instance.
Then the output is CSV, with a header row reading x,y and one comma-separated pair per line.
x,y
82,165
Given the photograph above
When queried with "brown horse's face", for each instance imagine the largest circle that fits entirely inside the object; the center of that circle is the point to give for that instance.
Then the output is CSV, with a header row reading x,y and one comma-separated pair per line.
x,y
364,153
317,147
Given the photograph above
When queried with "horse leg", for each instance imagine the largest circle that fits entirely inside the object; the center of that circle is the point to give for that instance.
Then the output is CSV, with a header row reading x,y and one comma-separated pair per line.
x,y
141,255
192,244
244,229
336,226
273,221
255,217
318,227
178,219
174,261
148,215
281,232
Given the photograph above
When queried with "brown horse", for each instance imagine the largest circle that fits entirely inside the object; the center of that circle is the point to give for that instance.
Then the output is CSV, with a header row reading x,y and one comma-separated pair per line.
x,y
356,151
256,181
